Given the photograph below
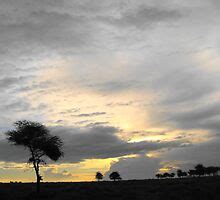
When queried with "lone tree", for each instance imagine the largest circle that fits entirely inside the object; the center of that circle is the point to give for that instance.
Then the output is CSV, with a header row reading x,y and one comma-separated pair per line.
x,y
99,176
36,138
115,176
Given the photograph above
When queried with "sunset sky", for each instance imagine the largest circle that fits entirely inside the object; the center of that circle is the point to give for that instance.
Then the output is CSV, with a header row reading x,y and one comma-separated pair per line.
x,y
129,85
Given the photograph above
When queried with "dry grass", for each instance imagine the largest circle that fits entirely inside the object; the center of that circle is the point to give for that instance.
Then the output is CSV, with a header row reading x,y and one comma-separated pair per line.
x,y
205,188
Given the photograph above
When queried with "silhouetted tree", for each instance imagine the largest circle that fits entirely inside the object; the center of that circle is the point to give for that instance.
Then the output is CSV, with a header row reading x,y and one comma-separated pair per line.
x,y
208,170
36,138
192,172
200,170
115,176
172,175
159,175
181,173
211,170
166,175
184,174
99,176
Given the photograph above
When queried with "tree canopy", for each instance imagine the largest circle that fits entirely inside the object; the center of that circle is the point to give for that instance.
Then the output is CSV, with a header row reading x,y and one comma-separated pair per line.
x,y
99,176
115,176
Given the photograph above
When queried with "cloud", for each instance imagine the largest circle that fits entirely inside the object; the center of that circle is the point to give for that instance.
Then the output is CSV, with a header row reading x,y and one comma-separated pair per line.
x,y
102,142
90,114
141,167
142,17
7,82
18,105
206,153
53,175
206,116
89,143
97,124
158,58
12,153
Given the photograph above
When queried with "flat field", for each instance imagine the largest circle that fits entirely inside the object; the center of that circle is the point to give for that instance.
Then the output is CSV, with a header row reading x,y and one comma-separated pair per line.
x,y
204,188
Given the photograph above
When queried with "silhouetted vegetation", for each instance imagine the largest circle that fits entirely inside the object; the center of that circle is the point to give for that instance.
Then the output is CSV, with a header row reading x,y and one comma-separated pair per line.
x,y
181,173
115,176
201,170
36,138
198,171
98,176
165,175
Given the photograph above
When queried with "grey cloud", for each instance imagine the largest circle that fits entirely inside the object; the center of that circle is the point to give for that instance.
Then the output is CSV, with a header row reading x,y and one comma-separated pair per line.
x,y
89,143
42,30
184,95
113,104
8,82
82,122
136,168
114,86
206,153
69,111
50,175
102,142
12,153
158,42
34,86
90,114
97,124
206,116
17,106
143,17
180,84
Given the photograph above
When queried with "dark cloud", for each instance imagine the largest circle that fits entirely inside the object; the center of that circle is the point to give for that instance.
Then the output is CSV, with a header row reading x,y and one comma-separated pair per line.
x,y
89,143
12,153
102,142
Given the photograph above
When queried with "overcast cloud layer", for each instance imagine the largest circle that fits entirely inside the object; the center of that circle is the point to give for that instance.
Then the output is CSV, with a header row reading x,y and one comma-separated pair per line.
x,y
114,77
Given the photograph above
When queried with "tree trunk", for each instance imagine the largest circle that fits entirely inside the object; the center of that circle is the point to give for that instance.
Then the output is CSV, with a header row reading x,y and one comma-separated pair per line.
x,y
38,177
38,183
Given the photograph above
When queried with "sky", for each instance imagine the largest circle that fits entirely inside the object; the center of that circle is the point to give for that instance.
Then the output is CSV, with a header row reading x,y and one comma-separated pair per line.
x,y
129,86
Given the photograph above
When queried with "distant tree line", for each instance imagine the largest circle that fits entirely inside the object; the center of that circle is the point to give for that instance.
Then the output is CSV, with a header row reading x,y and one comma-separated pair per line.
x,y
199,170
165,175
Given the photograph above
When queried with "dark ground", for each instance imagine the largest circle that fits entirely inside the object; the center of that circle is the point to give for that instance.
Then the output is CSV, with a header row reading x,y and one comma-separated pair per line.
x,y
185,189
